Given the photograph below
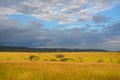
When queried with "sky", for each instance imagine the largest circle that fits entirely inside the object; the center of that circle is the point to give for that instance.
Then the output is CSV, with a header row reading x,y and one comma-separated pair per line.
x,y
83,24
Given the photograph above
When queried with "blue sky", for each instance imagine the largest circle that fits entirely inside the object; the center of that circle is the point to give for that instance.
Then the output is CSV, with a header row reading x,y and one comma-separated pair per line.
x,y
25,19
84,24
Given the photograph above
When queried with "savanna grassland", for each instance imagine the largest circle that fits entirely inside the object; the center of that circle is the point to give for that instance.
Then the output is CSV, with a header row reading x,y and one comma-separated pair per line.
x,y
51,66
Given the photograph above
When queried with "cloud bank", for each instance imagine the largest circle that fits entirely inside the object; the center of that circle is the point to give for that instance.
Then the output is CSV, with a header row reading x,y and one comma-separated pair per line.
x,y
12,32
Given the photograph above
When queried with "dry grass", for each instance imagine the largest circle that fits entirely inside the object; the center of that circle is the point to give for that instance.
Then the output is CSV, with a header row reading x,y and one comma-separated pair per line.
x,y
19,67
40,70
85,56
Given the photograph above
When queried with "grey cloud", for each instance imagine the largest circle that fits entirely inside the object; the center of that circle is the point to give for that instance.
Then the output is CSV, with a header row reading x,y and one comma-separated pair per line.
x,y
36,24
101,19
33,36
12,33
72,38
7,3
113,30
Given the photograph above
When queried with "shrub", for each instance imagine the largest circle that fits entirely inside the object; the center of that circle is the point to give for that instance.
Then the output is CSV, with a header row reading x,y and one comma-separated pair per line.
x,y
60,56
111,60
37,58
118,61
25,58
72,59
53,60
65,59
81,59
33,57
45,59
8,58
101,60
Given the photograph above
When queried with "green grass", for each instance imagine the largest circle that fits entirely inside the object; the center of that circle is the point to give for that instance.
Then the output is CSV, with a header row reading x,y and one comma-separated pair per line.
x,y
84,66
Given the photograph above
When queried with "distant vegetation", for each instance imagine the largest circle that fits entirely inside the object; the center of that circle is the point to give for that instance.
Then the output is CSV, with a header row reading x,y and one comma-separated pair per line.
x,y
26,49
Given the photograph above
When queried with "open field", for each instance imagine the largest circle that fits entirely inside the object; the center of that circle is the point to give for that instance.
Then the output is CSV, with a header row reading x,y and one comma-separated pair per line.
x,y
18,66
109,57
27,70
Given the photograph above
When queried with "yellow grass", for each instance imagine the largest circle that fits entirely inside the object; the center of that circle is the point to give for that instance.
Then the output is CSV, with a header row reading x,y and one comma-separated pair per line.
x,y
19,67
86,56
39,70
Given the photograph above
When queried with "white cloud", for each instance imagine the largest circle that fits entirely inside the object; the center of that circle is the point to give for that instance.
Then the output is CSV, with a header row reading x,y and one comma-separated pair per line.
x,y
101,5
62,10
5,11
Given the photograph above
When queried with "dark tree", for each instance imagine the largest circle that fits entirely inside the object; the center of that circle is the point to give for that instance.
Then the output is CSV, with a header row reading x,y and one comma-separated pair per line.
x,y
60,56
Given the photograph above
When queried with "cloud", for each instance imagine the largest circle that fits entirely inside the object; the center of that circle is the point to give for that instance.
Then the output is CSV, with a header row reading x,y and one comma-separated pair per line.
x,y
6,11
65,11
113,30
12,32
35,35
101,19
112,44
7,3
100,5
60,10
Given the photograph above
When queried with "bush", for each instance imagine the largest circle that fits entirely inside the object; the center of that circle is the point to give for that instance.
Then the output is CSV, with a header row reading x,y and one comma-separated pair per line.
x,y
25,58
60,56
8,58
65,59
118,62
81,59
111,60
53,60
72,59
33,57
46,60
101,60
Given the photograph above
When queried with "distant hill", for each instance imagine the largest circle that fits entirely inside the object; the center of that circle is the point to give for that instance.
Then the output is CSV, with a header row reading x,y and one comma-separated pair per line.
x,y
27,49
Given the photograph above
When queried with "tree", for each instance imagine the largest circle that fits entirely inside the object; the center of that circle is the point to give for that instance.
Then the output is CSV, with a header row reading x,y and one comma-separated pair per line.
x,y
33,57
60,56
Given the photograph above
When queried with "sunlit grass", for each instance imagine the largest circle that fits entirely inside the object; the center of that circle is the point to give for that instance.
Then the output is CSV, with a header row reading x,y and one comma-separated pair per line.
x,y
32,70
84,66
76,56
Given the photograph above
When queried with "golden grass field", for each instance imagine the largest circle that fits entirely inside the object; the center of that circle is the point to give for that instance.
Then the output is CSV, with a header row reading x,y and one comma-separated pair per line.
x,y
18,66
